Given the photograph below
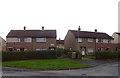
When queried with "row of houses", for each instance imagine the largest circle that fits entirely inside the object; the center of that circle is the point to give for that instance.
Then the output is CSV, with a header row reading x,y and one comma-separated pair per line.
x,y
86,42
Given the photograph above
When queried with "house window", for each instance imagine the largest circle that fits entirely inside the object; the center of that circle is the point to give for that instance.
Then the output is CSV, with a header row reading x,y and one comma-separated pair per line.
x,y
117,49
100,40
18,49
90,50
100,49
22,39
90,40
21,49
109,41
10,48
40,39
79,39
107,49
52,44
40,49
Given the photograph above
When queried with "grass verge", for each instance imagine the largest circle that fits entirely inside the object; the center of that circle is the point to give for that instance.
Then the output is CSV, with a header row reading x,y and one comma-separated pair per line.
x,y
49,64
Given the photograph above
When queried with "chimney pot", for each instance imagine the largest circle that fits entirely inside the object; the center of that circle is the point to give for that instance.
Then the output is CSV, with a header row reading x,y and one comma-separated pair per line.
x,y
59,38
79,28
24,28
42,28
95,30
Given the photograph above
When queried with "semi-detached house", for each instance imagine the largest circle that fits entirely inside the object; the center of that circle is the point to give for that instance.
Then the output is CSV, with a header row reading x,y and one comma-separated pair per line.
x,y
116,36
88,42
31,40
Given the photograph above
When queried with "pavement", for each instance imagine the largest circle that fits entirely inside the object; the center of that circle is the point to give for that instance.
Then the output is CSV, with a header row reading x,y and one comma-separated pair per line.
x,y
100,68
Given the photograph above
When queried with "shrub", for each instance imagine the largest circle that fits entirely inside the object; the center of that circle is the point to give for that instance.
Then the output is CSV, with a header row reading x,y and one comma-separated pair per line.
x,y
12,56
61,52
107,55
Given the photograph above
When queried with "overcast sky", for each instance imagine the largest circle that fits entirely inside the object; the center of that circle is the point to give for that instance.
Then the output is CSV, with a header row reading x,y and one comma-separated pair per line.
x,y
61,15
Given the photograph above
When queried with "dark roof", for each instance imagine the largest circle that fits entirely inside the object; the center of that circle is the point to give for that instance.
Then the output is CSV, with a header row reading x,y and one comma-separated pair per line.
x,y
117,33
88,34
32,33
60,42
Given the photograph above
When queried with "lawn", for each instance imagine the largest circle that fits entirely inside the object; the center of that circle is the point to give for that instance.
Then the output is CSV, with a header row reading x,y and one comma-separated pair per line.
x,y
49,64
89,57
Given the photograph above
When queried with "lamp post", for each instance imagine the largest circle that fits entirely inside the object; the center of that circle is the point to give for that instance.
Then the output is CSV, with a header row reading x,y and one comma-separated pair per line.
x,y
78,38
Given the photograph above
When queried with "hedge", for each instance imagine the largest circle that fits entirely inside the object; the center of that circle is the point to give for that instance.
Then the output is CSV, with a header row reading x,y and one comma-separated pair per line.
x,y
107,55
61,52
12,56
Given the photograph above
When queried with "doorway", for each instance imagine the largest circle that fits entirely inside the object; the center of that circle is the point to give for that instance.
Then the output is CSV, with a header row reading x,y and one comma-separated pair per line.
x,y
83,51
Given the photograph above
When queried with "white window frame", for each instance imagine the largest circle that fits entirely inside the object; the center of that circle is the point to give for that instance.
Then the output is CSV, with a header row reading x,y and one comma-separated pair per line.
x,y
19,39
41,49
90,39
18,49
100,49
79,39
52,44
91,51
100,40
109,41
38,40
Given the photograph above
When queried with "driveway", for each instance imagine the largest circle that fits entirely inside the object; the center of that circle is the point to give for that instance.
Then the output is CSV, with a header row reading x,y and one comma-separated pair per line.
x,y
100,68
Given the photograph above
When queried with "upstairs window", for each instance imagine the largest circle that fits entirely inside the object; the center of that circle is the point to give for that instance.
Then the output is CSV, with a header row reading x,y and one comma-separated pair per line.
x,y
109,41
40,39
90,40
100,40
79,39
22,39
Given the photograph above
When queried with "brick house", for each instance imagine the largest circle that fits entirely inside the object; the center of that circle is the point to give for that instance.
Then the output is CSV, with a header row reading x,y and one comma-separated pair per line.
x,y
2,44
60,43
31,40
88,42
116,37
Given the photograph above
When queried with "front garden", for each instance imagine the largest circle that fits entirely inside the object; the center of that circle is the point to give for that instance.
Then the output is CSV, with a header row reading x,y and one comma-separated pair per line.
x,y
51,60
46,64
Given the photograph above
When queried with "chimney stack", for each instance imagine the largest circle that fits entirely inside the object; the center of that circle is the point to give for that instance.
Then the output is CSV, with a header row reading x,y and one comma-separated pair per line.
x,y
42,28
24,28
95,30
79,28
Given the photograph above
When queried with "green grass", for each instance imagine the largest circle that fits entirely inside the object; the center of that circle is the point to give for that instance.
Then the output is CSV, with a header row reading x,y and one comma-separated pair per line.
x,y
50,64
89,57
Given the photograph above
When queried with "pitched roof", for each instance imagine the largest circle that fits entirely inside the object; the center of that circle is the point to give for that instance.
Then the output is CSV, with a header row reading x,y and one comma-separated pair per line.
x,y
60,42
88,34
32,33
118,33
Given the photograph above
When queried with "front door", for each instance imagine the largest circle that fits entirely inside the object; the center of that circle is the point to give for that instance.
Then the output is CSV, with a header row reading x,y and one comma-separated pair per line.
x,y
83,51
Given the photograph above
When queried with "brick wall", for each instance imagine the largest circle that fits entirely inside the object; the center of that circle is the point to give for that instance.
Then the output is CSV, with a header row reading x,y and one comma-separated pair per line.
x,y
17,45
